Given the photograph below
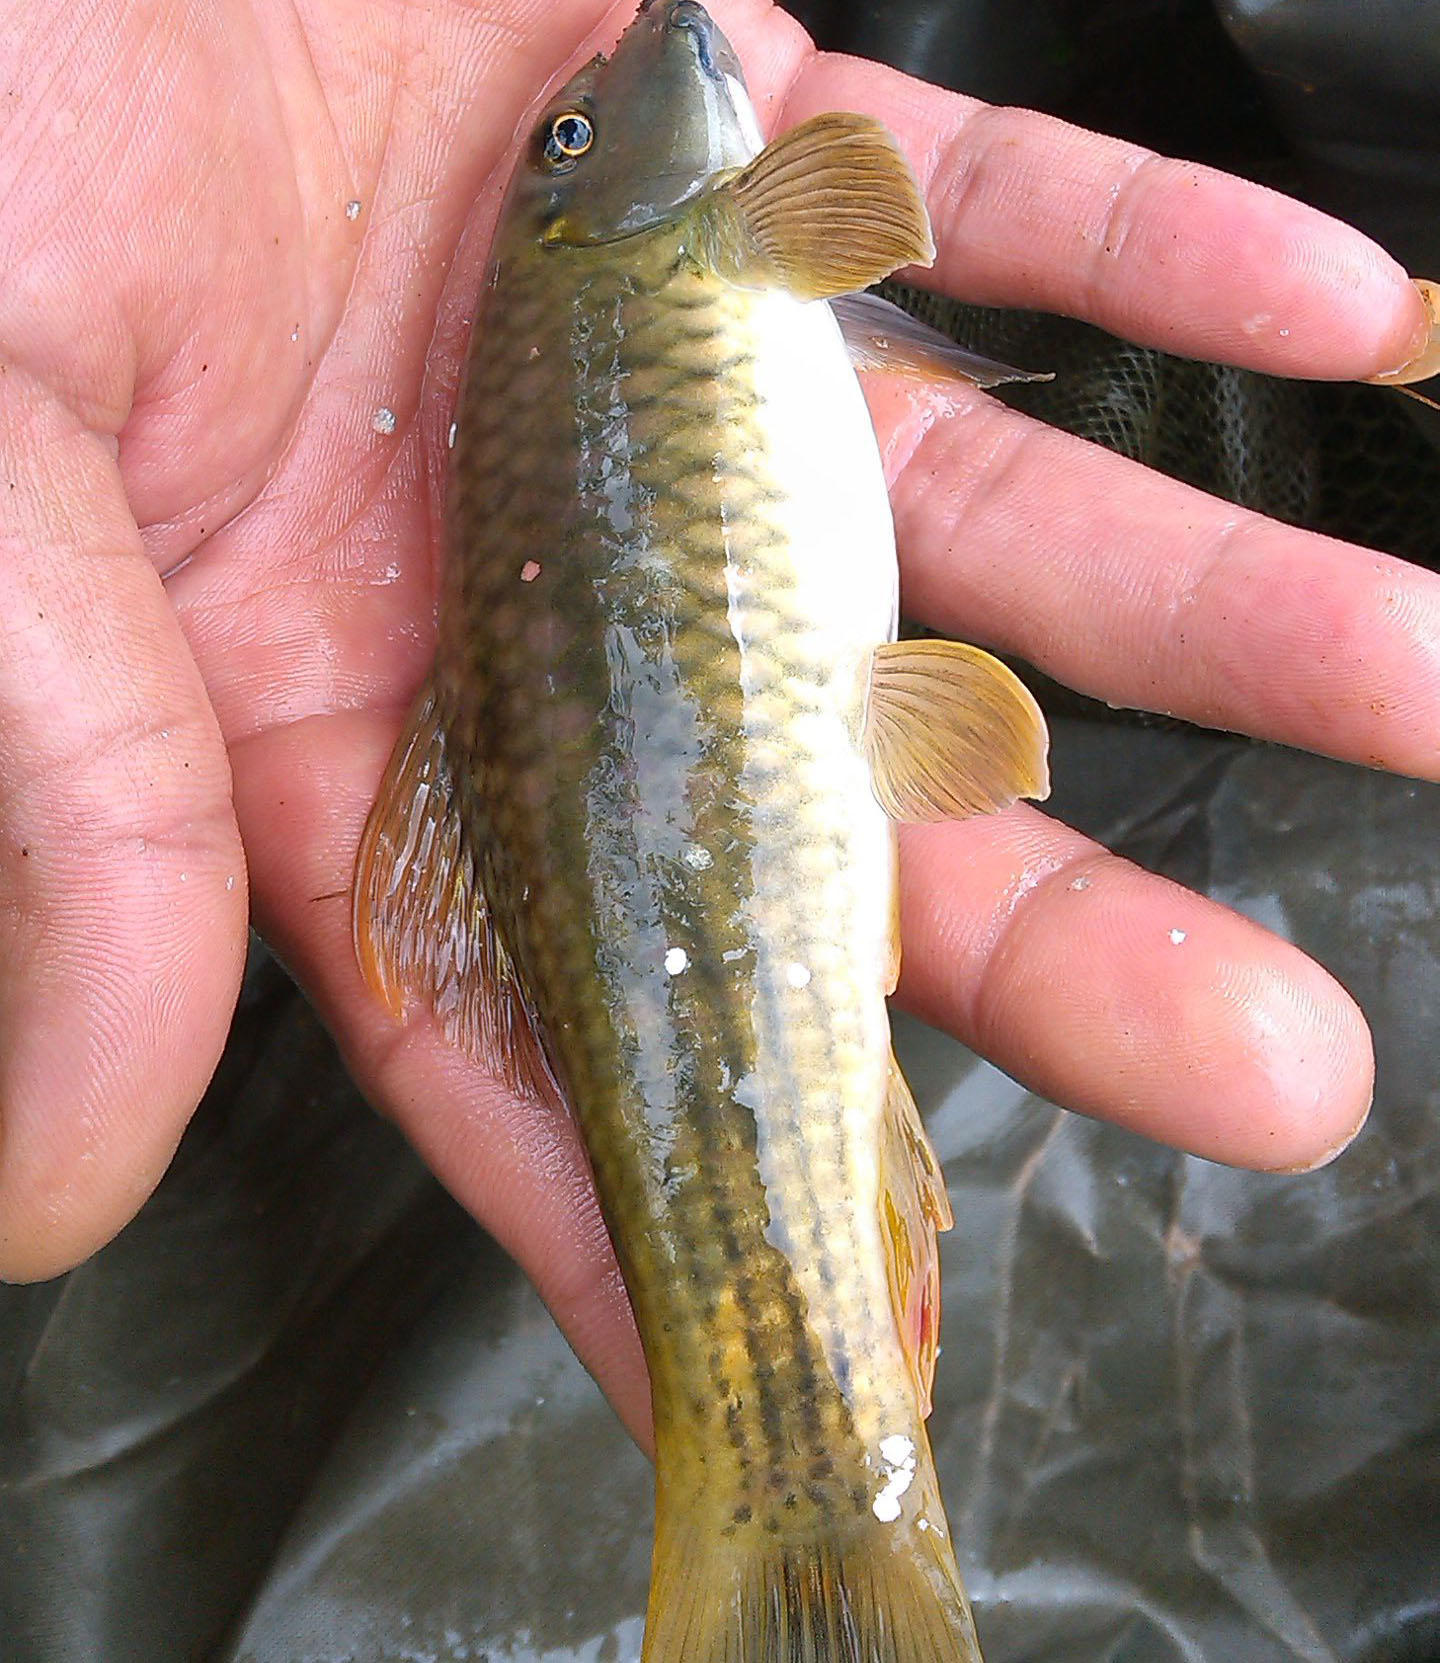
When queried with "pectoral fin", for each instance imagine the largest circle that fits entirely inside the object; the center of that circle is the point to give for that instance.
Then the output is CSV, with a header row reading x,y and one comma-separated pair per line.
x,y
951,732
883,336
830,206
422,928
914,1207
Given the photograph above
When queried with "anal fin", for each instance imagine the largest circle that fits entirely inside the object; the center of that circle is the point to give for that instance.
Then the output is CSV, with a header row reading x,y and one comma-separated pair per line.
x,y
423,930
914,1208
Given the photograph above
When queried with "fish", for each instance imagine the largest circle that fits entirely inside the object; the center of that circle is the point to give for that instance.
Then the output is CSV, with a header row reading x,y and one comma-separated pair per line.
x,y
636,845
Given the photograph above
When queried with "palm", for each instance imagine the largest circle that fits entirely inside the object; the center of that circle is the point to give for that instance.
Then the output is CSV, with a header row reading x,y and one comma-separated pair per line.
x,y
205,294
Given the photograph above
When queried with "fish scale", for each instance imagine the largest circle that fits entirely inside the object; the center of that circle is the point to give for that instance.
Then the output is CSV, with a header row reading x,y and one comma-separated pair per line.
x,y
660,530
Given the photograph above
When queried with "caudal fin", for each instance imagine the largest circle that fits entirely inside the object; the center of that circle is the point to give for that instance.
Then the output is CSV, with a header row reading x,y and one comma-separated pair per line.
x,y
877,1593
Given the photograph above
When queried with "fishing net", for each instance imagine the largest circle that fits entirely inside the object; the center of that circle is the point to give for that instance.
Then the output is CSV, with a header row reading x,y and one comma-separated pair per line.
x,y
1352,462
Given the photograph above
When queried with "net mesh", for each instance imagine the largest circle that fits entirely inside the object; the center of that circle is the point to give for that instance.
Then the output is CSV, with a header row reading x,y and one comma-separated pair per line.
x,y
1360,463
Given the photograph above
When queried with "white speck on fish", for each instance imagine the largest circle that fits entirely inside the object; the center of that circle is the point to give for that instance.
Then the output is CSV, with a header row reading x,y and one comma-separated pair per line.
x,y
698,859
352,208
230,882
383,421
1177,936
898,1453
897,1450
797,976
295,333
1080,883
530,571
676,961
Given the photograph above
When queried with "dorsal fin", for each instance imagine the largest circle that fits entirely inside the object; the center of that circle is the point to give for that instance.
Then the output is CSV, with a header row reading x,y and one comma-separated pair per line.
x,y
422,928
914,1208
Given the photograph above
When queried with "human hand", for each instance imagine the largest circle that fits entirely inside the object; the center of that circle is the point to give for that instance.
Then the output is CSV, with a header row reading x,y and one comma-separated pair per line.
x,y
182,276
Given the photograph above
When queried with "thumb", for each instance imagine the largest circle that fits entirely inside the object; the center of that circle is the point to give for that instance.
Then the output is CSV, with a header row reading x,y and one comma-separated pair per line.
x,y
122,884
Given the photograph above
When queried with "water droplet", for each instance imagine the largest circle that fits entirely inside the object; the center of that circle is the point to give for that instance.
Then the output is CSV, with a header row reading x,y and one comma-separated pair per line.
x,y
383,421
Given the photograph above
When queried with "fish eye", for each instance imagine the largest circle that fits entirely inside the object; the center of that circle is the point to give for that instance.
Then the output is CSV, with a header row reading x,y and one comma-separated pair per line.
x,y
571,135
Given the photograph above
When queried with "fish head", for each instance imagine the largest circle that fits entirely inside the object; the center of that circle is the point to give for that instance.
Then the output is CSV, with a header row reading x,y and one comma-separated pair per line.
x,y
636,135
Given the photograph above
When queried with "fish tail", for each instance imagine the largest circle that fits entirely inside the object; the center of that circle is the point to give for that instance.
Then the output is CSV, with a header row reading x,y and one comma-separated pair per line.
x,y
876,1593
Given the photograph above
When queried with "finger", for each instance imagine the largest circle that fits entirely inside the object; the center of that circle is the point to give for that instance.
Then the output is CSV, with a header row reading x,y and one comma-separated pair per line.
x,y
519,1167
1145,593
1029,211
122,884
1124,996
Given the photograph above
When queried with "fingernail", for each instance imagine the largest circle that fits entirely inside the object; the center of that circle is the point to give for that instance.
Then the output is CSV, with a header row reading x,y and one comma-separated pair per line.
x,y
1426,362
1334,1152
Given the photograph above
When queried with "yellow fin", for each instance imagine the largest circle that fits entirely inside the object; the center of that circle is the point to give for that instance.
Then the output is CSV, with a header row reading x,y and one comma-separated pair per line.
x,y
828,207
882,1589
914,1208
896,953
883,336
421,925
951,732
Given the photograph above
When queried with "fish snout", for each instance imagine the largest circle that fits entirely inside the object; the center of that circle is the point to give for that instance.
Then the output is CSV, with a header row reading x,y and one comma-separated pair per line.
x,y
714,54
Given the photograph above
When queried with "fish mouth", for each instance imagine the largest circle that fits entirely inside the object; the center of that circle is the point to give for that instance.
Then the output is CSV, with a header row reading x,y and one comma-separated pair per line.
x,y
714,55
